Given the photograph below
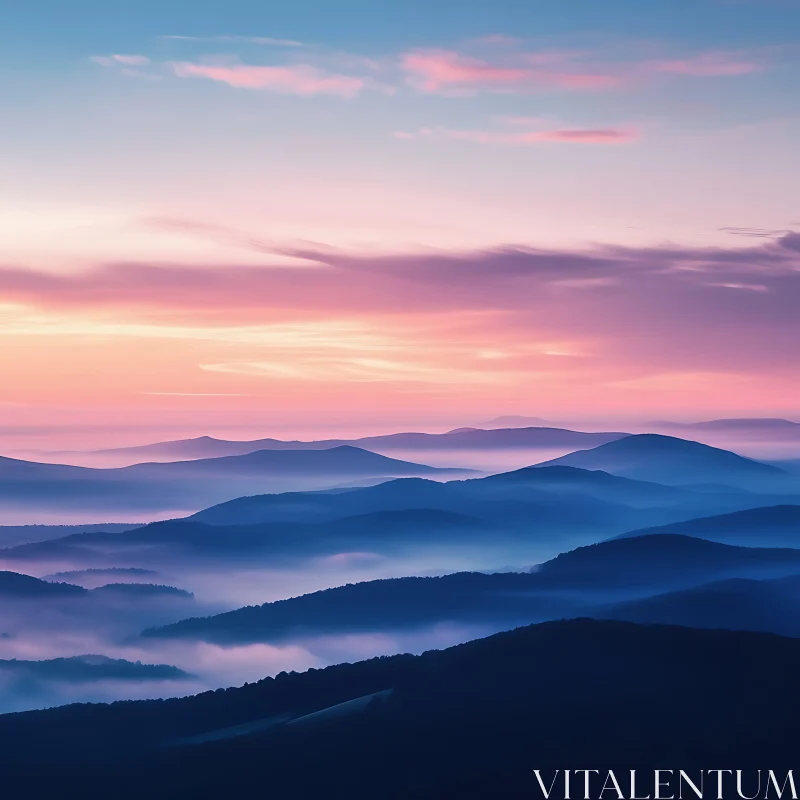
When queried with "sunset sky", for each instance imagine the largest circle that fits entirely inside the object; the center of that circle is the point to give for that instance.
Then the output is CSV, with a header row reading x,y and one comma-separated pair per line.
x,y
262,217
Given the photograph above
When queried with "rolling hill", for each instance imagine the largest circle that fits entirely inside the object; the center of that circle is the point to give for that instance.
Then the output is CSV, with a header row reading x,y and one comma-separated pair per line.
x,y
188,485
552,508
89,668
572,583
14,585
771,526
164,542
379,606
669,460
141,591
568,488
455,723
771,606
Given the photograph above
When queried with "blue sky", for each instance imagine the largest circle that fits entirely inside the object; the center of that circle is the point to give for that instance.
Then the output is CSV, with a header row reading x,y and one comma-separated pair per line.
x,y
181,142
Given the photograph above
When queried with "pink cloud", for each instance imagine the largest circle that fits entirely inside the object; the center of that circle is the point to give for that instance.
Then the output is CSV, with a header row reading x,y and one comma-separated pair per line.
x,y
441,70
337,282
448,71
301,79
661,320
566,135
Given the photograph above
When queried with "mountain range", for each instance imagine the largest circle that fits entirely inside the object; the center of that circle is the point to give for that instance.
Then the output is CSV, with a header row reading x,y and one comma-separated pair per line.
x,y
755,427
182,486
188,485
673,461
541,510
574,583
516,437
553,481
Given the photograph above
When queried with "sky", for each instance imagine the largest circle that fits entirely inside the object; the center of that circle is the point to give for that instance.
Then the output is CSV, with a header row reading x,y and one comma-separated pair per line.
x,y
258,217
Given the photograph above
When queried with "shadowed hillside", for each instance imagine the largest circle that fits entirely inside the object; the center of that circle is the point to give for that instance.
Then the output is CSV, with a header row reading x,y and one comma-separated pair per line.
x,y
772,606
447,724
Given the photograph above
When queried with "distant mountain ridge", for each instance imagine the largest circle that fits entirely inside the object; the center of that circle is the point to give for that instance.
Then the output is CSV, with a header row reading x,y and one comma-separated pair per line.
x,y
184,538
465,438
557,500
539,483
740,425
562,505
188,485
670,460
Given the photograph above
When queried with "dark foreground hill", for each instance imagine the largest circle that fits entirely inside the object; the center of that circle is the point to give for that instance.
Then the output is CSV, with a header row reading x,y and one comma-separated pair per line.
x,y
473,721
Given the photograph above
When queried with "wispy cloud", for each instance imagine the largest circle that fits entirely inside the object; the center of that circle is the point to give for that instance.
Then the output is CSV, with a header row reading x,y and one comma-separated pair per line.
x,y
336,279
300,79
494,64
514,69
446,70
355,369
602,136
501,320
756,233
